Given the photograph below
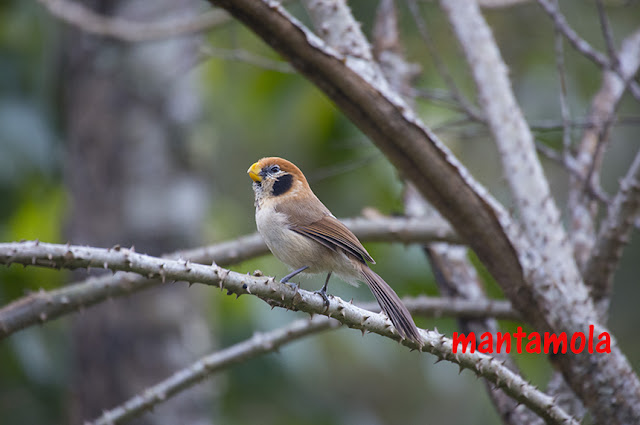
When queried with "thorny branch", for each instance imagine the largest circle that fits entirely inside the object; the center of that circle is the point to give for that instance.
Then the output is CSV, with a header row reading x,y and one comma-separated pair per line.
x,y
43,306
267,289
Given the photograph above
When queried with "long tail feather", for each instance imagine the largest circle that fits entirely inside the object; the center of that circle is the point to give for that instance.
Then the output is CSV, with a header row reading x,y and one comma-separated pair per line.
x,y
391,305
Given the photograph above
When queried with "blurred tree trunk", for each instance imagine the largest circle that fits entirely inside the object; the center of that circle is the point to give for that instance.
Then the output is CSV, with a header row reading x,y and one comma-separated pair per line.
x,y
126,119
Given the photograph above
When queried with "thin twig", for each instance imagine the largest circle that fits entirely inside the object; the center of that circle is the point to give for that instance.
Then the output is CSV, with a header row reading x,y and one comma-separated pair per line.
x,y
607,33
569,163
241,55
434,307
260,343
580,44
580,123
472,112
445,99
539,126
564,105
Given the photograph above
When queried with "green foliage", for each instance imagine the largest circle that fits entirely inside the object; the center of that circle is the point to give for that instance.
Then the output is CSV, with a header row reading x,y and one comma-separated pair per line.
x,y
39,214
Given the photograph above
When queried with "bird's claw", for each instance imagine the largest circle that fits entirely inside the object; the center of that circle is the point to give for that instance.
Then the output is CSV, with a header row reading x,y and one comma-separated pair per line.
x,y
293,285
323,294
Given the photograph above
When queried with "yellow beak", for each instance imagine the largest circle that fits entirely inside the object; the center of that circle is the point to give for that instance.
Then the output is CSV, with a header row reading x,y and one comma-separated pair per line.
x,y
254,172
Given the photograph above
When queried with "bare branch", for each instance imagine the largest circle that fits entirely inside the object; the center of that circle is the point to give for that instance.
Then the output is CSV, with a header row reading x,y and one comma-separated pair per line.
x,y
458,307
378,229
532,195
530,188
551,125
276,294
76,14
454,273
580,44
569,163
389,52
121,259
456,277
558,387
388,45
366,99
614,235
43,306
607,33
335,24
260,343
565,161
581,207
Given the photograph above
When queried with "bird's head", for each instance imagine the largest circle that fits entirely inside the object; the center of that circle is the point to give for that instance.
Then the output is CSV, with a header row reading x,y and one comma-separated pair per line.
x,y
275,177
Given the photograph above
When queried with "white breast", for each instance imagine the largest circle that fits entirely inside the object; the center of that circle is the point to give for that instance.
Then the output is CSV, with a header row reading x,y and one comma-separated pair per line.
x,y
288,246
296,250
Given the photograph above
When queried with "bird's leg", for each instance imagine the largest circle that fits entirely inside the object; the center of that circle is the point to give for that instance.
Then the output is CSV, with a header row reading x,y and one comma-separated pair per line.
x,y
292,274
323,291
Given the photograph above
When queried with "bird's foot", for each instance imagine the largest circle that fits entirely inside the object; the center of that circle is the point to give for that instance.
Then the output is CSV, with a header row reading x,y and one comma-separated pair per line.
x,y
293,285
323,293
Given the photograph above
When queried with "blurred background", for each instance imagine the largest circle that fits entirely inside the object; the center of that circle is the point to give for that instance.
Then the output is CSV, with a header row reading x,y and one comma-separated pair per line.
x,y
106,142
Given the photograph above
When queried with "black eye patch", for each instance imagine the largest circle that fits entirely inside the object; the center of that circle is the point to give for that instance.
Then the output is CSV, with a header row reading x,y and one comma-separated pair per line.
x,y
282,185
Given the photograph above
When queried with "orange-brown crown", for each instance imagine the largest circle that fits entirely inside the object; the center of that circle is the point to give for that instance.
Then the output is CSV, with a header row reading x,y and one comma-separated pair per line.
x,y
285,166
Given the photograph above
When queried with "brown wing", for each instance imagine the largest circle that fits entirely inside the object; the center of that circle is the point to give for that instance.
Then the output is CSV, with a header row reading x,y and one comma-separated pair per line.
x,y
315,221
332,233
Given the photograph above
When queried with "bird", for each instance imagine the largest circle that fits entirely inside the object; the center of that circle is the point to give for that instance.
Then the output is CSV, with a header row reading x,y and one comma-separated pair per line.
x,y
303,234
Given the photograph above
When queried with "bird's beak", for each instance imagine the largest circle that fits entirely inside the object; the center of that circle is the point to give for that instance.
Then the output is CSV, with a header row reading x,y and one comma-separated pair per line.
x,y
254,172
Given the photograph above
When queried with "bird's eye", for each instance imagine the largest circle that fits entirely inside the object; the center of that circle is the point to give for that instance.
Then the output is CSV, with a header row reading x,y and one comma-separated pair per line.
x,y
274,169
